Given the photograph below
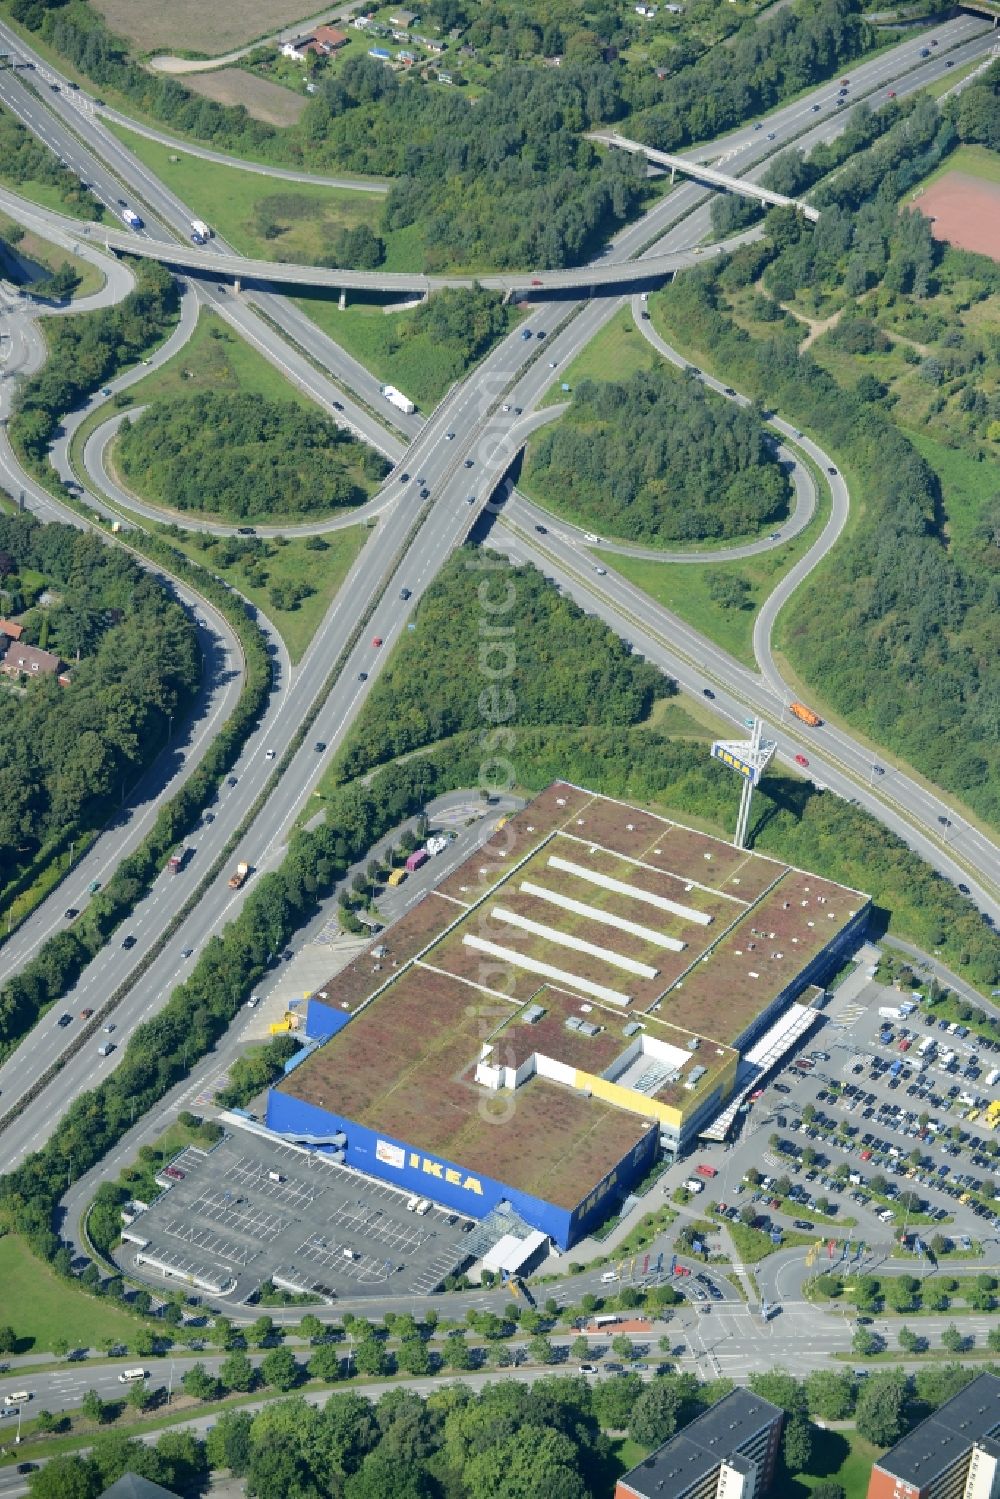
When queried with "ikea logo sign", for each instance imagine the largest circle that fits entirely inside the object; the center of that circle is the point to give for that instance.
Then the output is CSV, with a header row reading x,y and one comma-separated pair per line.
x,y
398,1158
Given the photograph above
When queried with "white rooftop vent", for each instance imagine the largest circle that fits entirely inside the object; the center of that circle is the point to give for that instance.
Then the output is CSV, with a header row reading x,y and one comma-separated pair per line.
x,y
753,975
810,923
736,879
579,822
586,1009
560,801
632,1028
630,827
708,858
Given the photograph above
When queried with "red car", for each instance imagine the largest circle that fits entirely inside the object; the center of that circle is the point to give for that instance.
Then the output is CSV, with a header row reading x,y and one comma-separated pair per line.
x,y
801,760
759,1094
376,640
707,1171
86,1014
892,93
535,281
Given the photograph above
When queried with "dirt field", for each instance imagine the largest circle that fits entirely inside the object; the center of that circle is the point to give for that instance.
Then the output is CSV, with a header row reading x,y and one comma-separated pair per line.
x,y
965,211
261,98
197,27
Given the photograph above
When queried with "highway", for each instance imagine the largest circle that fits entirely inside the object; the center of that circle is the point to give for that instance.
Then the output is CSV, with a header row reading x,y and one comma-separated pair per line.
x,y
473,463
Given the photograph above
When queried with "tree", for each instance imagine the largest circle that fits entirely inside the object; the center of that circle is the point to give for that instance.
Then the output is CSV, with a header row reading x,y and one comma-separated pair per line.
x,y
93,1407
8,1339
827,1490
237,1372
830,1394
622,1346
227,1442
781,1389
865,1342
580,1348
262,1331
993,1339
655,1414
797,1444
413,1357
325,1363
139,1395
66,1477
198,1382
952,1339
311,1327
540,1350
279,1369
371,1358
880,1416
383,1476
908,1340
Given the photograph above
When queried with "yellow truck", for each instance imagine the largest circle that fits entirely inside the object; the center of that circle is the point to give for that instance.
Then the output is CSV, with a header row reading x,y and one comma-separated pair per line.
x,y
397,877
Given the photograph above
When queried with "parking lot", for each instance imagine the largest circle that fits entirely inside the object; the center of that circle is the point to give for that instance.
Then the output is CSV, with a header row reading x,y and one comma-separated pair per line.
x,y
858,1124
253,1210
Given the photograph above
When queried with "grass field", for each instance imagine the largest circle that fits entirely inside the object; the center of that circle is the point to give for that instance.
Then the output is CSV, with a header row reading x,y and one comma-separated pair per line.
x,y
618,351
42,1308
942,85
841,1457
202,30
288,563
50,257
216,359
684,587
422,369
260,97
245,207
978,161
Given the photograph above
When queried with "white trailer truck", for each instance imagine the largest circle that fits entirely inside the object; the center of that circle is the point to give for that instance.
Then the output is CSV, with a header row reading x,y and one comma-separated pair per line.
x,y
396,398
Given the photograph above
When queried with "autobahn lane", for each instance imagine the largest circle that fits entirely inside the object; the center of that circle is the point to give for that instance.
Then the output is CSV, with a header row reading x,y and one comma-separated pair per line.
x,y
784,123
191,738
448,522
374,574
123,178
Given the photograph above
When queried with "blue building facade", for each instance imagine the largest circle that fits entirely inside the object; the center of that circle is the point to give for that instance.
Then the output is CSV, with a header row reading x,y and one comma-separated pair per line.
x,y
453,1186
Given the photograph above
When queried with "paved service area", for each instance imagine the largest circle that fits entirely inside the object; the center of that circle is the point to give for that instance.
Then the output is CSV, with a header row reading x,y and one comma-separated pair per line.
x,y
254,1209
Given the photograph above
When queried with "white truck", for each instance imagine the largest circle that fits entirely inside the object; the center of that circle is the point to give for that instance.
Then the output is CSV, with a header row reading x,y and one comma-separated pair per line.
x,y
199,227
396,398
890,1012
131,218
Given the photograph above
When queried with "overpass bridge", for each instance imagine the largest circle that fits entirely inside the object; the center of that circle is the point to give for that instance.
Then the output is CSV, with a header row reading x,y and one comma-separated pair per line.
x,y
711,176
206,261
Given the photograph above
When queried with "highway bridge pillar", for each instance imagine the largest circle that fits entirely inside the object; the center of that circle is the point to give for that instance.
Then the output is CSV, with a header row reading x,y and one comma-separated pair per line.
x,y
673,175
343,299
236,285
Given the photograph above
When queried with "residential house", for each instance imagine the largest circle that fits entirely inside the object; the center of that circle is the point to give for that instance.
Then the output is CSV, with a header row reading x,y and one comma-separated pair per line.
x,y
330,39
10,629
27,660
403,18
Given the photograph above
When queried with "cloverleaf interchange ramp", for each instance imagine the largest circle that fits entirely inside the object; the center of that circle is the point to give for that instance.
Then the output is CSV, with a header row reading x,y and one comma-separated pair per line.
x,y
485,437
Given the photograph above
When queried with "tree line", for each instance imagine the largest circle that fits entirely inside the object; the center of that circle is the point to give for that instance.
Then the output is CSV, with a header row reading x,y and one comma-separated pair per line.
x,y
240,455
566,667
655,458
86,350
26,160
919,614
548,1440
67,752
506,179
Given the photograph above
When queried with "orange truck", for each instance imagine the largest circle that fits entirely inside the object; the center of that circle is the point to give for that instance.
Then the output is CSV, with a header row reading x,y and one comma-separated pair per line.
x,y
806,714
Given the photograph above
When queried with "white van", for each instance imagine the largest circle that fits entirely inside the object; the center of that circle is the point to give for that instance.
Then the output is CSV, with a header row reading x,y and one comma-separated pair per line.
x,y
609,1277
128,1375
694,1185
422,1207
18,1398
412,1203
